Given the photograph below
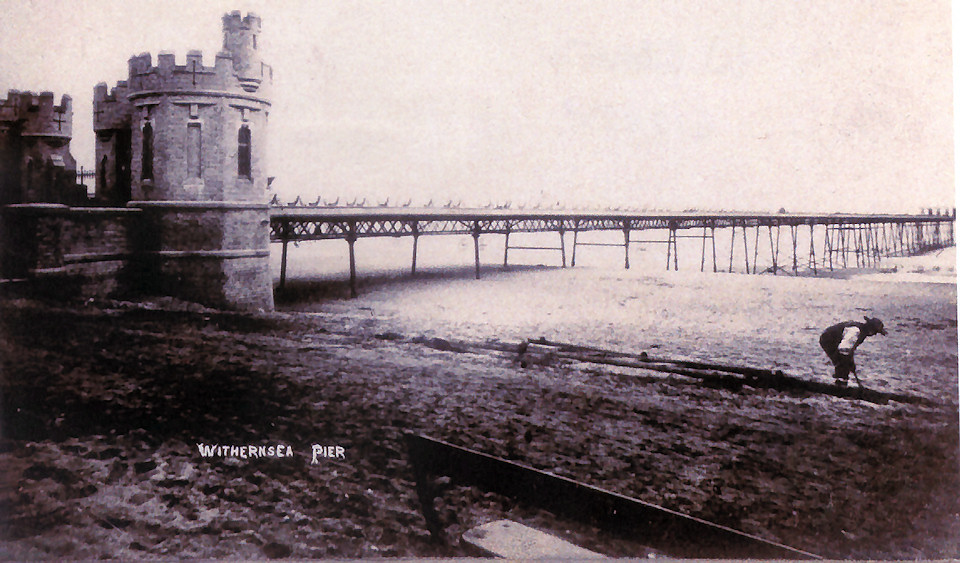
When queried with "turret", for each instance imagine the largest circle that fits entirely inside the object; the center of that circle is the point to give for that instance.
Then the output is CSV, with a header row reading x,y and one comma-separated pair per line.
x,y
182,130
35,145
186,143
37,115
240,42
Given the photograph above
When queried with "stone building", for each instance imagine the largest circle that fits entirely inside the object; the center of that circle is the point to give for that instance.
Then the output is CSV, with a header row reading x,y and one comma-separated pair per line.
x,y
181,183
35,161
187,132
187,144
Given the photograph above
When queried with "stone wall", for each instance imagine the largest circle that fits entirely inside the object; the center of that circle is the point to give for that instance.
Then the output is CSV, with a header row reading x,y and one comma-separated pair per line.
x,y
186,143
70,252
214,253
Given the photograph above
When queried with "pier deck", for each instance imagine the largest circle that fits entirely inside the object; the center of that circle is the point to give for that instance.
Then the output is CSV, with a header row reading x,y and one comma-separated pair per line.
x,y
862,239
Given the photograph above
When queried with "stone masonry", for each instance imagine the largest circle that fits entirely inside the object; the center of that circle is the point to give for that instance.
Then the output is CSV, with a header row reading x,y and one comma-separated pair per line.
x,y
180,152
187,144
35,161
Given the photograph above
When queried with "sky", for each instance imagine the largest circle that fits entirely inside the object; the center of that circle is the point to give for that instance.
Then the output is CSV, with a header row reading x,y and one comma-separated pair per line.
x,y
752,105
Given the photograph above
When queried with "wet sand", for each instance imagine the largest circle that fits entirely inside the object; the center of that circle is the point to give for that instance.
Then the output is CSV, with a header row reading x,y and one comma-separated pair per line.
x,y
103,406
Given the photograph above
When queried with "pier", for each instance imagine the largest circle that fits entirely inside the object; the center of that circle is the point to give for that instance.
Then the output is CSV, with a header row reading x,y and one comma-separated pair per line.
x,y
833,241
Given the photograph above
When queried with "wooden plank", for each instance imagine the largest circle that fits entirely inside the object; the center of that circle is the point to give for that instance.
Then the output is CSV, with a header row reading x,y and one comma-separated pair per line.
x,y
512,540
725,374
664,530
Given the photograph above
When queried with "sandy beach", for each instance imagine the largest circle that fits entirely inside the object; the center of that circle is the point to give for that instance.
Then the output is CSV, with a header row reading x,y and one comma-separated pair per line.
x,y
104,406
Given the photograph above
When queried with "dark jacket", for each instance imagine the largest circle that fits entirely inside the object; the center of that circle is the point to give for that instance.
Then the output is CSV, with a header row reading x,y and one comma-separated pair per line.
x,y
830,339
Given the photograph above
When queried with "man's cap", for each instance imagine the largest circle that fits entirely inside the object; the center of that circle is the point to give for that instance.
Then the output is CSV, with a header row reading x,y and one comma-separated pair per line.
x,y
876,325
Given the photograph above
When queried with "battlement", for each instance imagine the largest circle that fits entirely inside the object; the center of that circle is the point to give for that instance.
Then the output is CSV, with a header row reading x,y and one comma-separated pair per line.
x,y
37,114
111,106
233,22
118,92
236,70
192,74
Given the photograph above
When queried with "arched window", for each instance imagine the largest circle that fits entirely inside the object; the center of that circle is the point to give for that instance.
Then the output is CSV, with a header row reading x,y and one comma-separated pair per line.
x,y
243,153
147,167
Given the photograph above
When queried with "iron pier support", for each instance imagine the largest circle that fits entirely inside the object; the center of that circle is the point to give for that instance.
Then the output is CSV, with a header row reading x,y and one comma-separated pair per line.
x,y
774,246
812,258
672,242
506,247
415,231
283,266
733,244
713,244
703,248
563,249
626,245
351,241
756,247
573,254
476,248
746,251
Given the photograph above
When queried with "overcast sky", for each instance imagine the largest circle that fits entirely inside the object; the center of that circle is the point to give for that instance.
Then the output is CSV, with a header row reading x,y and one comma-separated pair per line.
x,y
746,104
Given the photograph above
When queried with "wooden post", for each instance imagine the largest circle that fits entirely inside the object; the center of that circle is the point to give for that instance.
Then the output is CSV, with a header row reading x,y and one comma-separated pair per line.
x,y
756,247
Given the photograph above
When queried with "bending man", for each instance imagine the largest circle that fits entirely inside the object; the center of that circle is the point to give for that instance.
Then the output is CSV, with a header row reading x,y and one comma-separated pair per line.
x,y
841,340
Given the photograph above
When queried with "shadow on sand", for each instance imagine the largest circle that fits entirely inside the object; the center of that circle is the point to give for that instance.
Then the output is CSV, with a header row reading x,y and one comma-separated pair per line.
x,y
337,286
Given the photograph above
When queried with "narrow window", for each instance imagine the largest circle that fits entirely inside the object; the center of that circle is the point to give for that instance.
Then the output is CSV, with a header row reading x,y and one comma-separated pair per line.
x,y
28,185
50,185
103,174
243,153
193,151
254,42
147,167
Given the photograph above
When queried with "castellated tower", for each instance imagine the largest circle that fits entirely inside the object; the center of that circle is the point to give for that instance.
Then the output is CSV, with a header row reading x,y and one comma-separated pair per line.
x,y
187,143
35,158
196,133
